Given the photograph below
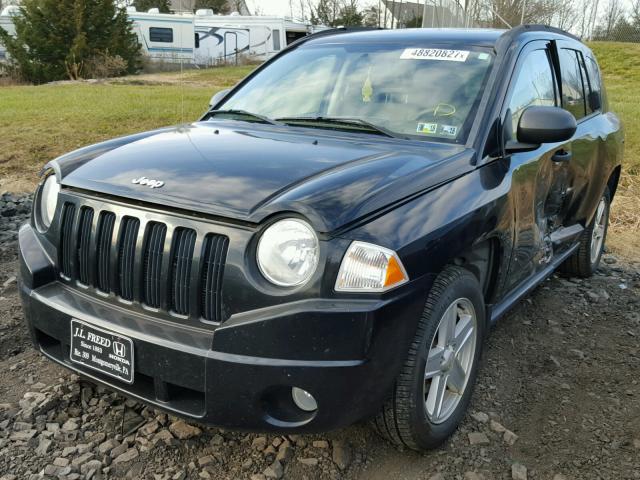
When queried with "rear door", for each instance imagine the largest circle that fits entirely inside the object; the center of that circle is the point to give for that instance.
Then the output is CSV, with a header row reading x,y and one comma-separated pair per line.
x,y
580,95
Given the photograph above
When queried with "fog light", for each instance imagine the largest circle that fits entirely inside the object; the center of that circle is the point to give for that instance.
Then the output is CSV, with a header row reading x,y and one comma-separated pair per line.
x,y
304,400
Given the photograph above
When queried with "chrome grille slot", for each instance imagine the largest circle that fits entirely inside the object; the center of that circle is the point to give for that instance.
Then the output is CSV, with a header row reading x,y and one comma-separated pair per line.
x,y
84,243
126,256
67,239
184,241
152,269
214,255
106,223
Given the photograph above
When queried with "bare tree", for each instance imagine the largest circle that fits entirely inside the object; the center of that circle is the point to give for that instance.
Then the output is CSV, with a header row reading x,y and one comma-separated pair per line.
x,y
612,16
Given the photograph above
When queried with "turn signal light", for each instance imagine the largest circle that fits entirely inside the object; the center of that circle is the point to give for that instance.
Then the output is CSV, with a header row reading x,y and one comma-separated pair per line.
x,y
370,268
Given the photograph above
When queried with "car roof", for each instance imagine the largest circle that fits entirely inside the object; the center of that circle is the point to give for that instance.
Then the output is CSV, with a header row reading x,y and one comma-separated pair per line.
x,y
486,37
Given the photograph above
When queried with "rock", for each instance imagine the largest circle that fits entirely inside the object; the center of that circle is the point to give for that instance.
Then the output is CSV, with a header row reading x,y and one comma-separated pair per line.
x,y
247,464
61,462
183,430
23,435
69,426
43,446
473,476
496,427
480,417
206,460
478,438
119,450
259,443
257,476
105,447
126,456
285,452
437,476
509,437
636,443
82,459
274,470
320,444
311,462
164,436
341,454
559,476
91,465
149,428
518,472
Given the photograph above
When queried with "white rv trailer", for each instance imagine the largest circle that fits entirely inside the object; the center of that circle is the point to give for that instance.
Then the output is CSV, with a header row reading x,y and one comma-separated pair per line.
x,y
208,39
222,38
165,37
6,23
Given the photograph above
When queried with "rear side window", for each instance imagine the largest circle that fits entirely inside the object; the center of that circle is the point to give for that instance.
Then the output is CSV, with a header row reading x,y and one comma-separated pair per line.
x,y
276,40
534,86
572,88
594,100
163,35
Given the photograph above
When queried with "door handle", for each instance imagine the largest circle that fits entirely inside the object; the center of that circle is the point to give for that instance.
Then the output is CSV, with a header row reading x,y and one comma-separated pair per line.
x,y
561,156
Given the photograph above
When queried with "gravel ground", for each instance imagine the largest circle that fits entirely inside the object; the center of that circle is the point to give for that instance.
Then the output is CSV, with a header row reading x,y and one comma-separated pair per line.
x,y
558,397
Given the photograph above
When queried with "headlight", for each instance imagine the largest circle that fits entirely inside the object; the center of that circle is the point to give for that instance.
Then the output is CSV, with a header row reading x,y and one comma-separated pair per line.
x,y
370,268
288,253
47,201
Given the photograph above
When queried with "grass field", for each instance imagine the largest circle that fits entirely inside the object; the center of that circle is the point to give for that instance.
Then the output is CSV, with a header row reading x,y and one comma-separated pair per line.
x,y
40,123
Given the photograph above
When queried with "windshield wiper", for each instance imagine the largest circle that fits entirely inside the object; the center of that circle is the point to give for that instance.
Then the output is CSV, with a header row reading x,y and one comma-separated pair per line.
x,y
347,122
243,113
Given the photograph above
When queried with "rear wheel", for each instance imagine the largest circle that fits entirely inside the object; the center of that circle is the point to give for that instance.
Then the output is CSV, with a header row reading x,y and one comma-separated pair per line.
x,y
584,262
433,390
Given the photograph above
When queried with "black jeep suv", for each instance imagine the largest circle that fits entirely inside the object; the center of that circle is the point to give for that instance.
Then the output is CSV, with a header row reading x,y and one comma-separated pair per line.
x,y
334,237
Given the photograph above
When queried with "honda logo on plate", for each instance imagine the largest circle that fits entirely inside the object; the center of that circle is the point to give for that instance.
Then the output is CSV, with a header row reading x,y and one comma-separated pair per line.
x,y
118,349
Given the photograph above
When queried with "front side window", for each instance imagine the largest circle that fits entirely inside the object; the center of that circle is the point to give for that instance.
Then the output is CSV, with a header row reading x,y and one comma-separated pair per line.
x,y
429,93
534,86
572,88
163,35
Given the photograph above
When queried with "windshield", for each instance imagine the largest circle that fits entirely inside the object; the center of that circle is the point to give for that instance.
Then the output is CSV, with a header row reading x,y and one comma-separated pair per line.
x,y
426,92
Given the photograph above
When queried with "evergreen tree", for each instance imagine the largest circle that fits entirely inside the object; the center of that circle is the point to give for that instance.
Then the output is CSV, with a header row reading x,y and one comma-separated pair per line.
x,y
57,39
145,5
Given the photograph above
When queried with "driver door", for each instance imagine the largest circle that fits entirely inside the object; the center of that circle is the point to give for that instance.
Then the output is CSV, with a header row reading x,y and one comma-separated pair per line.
x,y
539,180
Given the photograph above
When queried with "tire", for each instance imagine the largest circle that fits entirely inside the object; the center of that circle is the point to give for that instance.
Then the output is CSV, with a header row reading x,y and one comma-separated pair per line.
x,y
409,417
582,263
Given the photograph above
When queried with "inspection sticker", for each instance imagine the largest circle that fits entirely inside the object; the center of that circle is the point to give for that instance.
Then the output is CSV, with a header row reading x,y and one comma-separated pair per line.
x,y
449,130
427,128
434,54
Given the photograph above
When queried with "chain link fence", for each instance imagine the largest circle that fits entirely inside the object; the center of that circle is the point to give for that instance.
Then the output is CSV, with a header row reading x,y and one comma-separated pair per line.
x,y
608,20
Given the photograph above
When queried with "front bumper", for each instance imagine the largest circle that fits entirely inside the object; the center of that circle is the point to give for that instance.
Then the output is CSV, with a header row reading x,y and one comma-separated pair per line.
x,y
345,352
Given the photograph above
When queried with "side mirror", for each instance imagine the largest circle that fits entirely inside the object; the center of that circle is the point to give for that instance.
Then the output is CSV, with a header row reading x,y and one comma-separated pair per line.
x,y
217,97
545,125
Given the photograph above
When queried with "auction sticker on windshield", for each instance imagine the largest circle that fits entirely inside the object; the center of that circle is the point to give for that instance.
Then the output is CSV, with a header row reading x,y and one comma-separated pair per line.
x,y
101,350
435,54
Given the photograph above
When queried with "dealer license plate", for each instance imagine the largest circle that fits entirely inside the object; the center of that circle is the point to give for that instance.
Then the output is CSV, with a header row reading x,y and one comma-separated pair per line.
x,y
102,350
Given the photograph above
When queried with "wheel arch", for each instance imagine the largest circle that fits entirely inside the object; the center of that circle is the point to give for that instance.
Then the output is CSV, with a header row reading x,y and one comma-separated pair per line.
x,y
613,180
482,259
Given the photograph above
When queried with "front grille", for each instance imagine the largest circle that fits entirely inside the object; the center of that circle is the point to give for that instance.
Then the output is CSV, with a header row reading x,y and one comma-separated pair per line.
x,y
175,270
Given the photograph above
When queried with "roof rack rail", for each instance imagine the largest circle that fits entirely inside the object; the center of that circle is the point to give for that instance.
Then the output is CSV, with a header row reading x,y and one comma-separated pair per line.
x,y
534,27
333,31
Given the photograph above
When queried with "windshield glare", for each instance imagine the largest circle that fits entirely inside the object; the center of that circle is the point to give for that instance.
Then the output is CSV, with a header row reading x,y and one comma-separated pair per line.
x,y
427,92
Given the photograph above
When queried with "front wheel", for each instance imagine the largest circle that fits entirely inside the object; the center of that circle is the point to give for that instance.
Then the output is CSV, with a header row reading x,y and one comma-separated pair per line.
x,y
433,390
584,262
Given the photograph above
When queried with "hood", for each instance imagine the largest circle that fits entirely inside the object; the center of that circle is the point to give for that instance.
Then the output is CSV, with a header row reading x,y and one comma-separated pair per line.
x,y
247,172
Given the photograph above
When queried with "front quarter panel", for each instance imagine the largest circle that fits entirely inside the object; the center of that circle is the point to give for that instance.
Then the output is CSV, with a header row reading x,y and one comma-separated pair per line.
x,y
432,230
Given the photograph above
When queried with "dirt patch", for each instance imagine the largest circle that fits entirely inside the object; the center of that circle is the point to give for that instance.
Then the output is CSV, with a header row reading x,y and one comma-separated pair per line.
x,y
559,375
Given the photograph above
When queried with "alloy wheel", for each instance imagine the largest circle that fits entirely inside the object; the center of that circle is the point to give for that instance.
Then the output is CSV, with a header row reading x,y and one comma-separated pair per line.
x,y
450,360
599,227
